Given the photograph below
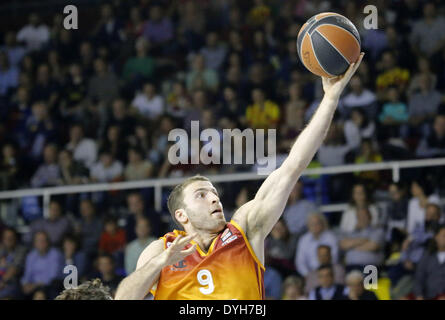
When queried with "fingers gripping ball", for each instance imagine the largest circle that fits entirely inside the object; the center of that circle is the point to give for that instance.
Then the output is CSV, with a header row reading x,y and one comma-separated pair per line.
x,y
327,44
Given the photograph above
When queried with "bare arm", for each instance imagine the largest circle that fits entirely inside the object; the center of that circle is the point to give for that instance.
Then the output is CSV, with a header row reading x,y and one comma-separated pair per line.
x,y
260,215
349,243
137,285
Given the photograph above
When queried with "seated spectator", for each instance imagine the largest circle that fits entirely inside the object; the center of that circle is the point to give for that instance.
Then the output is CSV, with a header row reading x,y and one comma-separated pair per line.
x,y
48,173
297,210
73,255
397,210
137,168
280,248
9,75
200,77
415,245
390,74
293,288
121,117
368,154
107,169
358,127
424,102
433,145
324,258
12,259
35,34
109,30
213,52
423,69
306,257
43,265
84,149
355,288
148,103
360,199
422,194
115,143
159,140
177,100
112,240
159,28
71,171
262,113
141,66
74,92
56,225
359,97
364,245
104,84
426,36
135,247
272,284
334,148
89,227
429,280
107,272
14,51
327,289
46,88
11,175
394,113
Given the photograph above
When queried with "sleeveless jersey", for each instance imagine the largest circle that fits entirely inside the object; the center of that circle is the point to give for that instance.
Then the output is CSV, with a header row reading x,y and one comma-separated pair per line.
x,y
229,270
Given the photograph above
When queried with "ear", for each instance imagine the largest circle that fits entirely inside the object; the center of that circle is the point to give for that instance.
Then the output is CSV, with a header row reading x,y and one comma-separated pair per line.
x,y
181,216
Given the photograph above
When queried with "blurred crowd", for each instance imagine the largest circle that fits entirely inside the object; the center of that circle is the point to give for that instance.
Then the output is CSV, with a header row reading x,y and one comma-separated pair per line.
x,y
96,105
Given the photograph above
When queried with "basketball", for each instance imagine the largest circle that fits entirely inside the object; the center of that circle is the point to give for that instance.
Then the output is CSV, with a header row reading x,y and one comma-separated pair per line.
x,y
327,44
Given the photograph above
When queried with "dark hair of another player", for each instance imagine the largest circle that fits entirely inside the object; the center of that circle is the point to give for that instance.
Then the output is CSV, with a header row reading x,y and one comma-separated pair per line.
x,y
90,290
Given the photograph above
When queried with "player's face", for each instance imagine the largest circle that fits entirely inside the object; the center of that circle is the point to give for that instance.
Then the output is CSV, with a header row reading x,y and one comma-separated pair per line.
x,y
203,207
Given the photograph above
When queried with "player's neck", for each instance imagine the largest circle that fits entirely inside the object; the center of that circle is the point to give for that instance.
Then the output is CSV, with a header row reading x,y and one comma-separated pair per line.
x,y
204,239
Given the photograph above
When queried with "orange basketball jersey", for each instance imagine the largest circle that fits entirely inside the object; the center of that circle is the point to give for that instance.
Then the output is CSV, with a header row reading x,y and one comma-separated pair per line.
x,y
229,270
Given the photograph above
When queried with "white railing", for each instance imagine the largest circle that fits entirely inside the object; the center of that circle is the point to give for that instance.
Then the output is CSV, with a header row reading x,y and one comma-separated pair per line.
x,y
158,184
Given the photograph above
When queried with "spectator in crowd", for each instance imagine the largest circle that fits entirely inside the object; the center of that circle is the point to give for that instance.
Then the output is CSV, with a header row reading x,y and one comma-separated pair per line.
x,y
422,194
107,169
390,74
424,102
71,171
73,255
280,248
43,265
306,257
135,247
149,104
358,97
104,84
213,52
397,210
394,114
429,278
368,154
10,163
9,75
114,142
327,289
12,258
297,210
359,126
293,288
107,272
14,50
46,88
137,168
272,284
141,66
356,289
48,174
364,245
113,239
324,258
360,199
121,117
334,149
56,225
200,77
74,92
89,227
84,149
263,113
427,37
159,27
109,30
433,144
35,35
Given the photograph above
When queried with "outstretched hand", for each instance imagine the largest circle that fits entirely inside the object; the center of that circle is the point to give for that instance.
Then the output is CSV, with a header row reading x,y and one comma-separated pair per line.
x,y
333,87
175,253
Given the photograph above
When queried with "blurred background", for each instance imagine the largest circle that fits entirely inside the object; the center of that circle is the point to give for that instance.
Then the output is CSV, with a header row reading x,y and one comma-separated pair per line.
x,y
95,106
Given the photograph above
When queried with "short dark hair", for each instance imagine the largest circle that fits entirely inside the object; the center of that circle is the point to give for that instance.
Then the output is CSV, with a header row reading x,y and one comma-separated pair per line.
x,y
176,198
325,266
90,290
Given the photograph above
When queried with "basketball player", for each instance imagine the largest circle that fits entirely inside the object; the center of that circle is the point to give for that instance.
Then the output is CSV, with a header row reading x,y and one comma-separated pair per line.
x,y
213,259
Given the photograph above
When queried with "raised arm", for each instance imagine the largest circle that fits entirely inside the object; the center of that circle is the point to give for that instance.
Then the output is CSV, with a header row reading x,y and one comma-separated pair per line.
x,y
259,215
